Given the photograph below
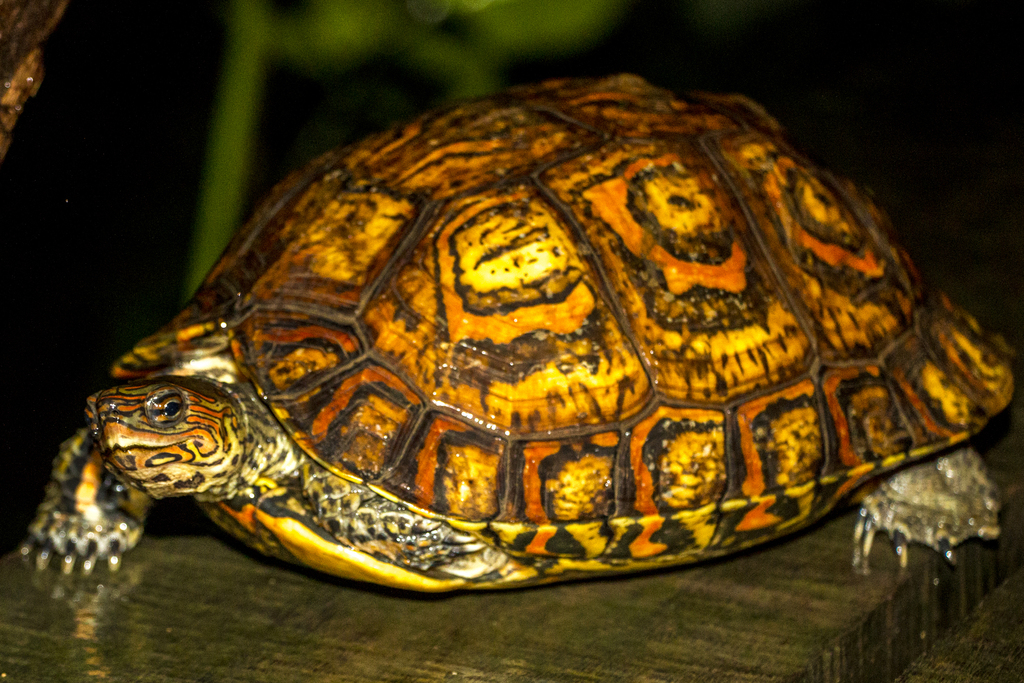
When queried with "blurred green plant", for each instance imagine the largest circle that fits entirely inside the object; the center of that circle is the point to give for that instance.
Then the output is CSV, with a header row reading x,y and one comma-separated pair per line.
x,y
464,45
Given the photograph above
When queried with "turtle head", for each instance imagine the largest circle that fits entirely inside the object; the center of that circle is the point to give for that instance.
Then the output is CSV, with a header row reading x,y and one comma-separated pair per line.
x,y
171,436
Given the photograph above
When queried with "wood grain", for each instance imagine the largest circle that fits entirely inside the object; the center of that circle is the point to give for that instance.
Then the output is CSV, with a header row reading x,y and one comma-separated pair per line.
x,y
201,608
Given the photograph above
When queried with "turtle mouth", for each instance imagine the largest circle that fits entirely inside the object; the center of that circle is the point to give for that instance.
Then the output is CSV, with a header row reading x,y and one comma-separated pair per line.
x,y
113,435
159,472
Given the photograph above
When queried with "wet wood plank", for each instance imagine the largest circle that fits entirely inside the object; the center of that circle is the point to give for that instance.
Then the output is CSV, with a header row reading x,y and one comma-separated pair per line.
x,y
988,646
200,607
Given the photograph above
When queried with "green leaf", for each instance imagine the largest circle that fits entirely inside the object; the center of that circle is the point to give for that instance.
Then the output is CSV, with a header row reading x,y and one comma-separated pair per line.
x,y
328,34
511,29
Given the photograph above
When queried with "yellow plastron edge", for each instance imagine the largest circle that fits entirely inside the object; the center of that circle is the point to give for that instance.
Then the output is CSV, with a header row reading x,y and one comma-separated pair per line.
x,y
348,563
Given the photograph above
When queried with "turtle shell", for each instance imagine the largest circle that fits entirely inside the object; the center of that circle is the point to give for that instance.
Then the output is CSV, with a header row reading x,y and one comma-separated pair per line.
x,y
592,320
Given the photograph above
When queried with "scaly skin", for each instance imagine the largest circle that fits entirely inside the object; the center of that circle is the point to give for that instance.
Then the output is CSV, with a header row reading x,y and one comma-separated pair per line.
x,y
216,441
88,517
940,504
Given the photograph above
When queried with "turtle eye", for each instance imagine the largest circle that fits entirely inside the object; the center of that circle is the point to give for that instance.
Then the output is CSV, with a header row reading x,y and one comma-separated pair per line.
x,y
165,407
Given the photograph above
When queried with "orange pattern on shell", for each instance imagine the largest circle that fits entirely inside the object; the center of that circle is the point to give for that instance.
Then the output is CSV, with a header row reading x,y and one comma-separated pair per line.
x,y
619,259
754,482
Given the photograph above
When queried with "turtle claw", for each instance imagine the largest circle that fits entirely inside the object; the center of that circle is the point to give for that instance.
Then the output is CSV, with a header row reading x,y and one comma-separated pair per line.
x,y
114,562
899,546
947,551
939,504
78,541
863,538
43,559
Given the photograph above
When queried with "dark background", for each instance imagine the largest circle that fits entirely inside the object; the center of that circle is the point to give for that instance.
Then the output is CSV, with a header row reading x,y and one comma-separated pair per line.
x,y
98,191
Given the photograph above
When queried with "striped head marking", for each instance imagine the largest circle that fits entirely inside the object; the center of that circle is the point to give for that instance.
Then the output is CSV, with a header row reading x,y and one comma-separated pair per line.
x,y
172,436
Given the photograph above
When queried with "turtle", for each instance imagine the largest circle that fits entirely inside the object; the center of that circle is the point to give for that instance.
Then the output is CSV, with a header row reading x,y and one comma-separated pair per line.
x,y
575,328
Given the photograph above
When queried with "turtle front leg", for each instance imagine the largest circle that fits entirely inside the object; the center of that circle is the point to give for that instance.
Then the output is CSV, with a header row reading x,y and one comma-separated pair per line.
x,y
939,503
356,515
87,515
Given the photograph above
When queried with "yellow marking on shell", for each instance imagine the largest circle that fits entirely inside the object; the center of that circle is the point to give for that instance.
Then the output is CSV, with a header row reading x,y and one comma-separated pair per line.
x,y
538,544
793,438
198,330
854,478
470,479
702,358
956,406
734,504
588,535
796,440
690,219
848,322
413,343
701,522
928,449
995,376
804,497
810,193
605,439
510,250
609,201
897,459
555,394
372,424
987,371
692,469
508,532
299,363
579,487
563,317
567,395
559,390
642,545
800,490
157,350
873,320
758,517
346,238
859,470
688,348
466,525
677,459
565,565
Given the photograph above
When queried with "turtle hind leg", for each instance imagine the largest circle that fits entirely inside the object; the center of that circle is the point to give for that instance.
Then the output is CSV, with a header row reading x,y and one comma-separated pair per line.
x,y
86,516
939,503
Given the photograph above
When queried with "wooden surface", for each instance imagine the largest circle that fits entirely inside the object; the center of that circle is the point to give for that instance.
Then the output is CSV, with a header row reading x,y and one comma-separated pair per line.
x,y
200,608
988,647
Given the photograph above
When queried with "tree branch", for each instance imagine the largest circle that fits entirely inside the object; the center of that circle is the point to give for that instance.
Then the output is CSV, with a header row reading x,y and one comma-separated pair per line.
x,y
24,27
